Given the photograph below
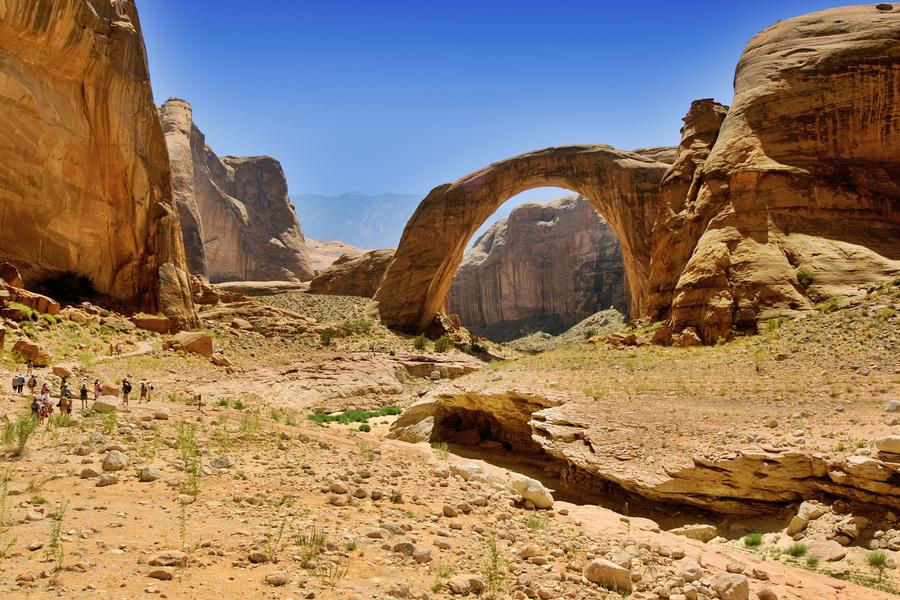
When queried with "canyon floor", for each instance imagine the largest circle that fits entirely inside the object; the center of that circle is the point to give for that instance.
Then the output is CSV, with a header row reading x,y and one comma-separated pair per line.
x,y
246,496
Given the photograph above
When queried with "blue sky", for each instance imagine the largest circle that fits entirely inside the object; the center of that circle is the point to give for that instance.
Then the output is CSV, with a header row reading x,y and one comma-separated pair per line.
x,y
396,96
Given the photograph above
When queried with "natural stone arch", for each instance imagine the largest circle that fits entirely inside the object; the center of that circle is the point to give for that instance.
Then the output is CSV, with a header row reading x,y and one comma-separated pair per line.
x,y
623,187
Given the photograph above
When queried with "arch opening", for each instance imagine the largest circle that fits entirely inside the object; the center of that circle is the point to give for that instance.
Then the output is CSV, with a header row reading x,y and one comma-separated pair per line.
x,y
543,262
622,186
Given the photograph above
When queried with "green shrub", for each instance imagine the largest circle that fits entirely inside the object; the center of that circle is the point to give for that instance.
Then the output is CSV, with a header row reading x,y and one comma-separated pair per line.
x,y
805,277
354,415
326,336
812,561
752,540
796,550
443,343
831,304
420,342
877,559
358,326
27,312
589,333
365,428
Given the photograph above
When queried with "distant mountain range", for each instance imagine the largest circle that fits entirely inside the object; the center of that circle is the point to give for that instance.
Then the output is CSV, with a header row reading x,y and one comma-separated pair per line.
x,y
362,220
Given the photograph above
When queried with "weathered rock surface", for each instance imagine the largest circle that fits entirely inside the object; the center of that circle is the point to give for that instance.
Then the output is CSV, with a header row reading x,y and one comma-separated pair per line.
x,y
553,425
353,275
84,173
237,218
545,267
323,254
803,174
622,186
799,174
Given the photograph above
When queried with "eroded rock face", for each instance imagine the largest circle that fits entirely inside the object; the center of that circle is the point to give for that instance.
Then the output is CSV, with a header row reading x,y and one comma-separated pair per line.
x,y
622,186
554,263
357,275
237,219
804,174
564,430
323,254
84,174
800,174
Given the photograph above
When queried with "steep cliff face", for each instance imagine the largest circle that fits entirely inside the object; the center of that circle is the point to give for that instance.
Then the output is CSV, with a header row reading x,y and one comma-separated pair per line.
x,y
547,266
803,177
84,173
237,219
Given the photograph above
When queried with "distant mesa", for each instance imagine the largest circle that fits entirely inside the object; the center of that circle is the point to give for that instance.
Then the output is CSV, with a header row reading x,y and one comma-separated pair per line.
x,y
237,219
323,254
358,275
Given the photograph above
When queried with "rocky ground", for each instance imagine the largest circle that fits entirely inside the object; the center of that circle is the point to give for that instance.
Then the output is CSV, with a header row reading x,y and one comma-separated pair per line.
x,y
245,496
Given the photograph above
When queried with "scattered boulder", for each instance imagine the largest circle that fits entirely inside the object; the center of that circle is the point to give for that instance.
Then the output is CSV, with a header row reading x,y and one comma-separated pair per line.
x,y
463,585
148,474
730,586
688,337
157,323
30,350
608,574
106,404
194,342
534,491
701,532
10,274
115,461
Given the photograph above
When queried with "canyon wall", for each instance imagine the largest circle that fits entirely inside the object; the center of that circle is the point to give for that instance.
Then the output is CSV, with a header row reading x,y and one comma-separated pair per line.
x,y
546,266
799,196
84,174
237,219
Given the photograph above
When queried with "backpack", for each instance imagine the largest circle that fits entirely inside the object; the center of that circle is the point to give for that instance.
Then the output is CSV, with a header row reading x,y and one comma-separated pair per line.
x,y
126,386
15,382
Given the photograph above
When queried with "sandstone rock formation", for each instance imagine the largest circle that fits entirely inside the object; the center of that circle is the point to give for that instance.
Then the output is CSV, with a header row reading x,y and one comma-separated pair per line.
x,y
545,267
353,275
622,186
801,176
84,175
558,427
323,254
237,218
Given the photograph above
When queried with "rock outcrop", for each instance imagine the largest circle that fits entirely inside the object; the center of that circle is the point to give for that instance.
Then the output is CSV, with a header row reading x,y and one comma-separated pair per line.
x,y
545,267
84,174
561,429
622,186
788,197
353,275
237,219
323,254
803,176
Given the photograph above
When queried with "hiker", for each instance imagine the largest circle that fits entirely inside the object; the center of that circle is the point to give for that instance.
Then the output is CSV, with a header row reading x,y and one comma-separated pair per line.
x,y
32,383
18,383
149,391
97,389
29,366
126,389
46,407
65,400
36,407
83,393
143,392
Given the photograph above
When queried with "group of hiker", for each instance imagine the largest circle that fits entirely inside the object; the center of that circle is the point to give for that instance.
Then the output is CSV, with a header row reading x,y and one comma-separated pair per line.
x,y
42,406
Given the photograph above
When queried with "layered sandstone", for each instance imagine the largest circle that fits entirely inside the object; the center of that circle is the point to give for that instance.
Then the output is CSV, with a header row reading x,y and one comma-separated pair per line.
x,y
549,264
84,176
788,197
237,219
622,186
353,275
803,176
